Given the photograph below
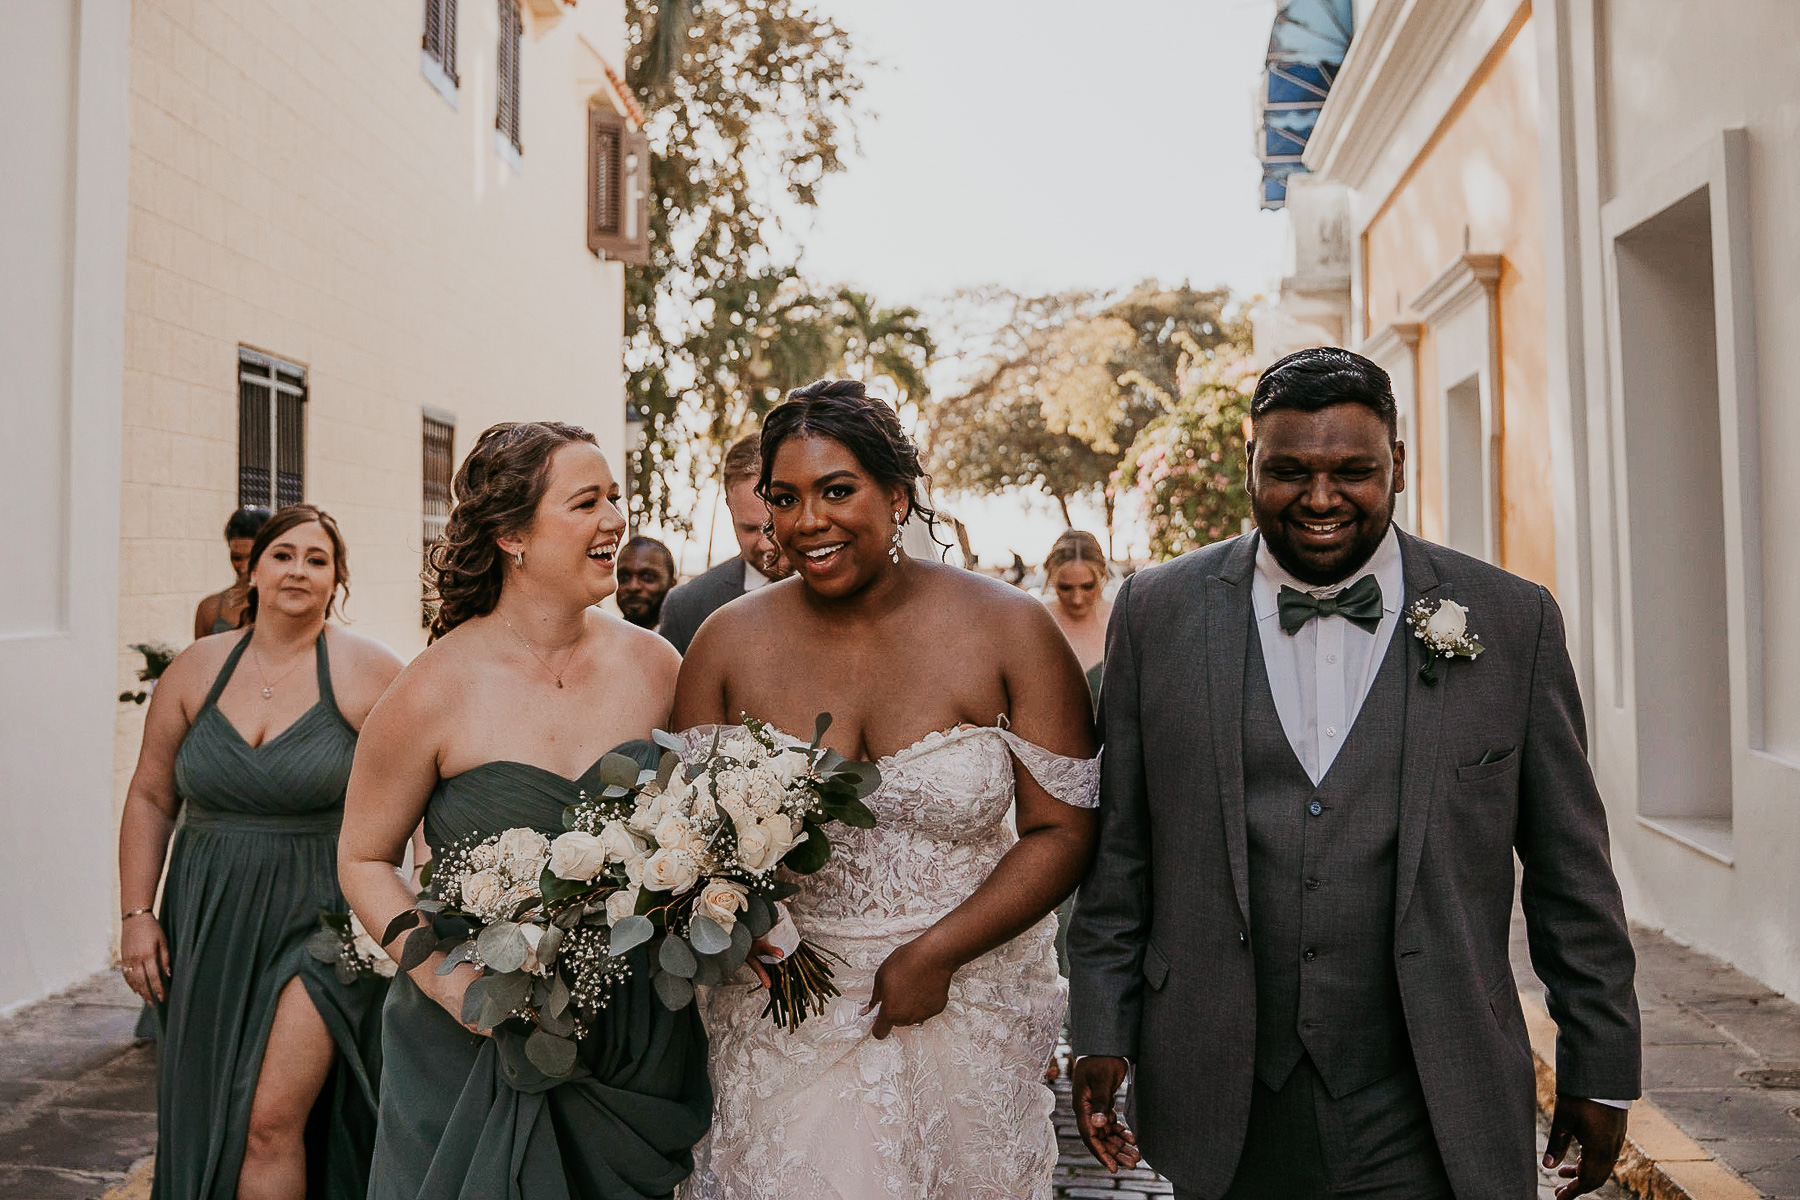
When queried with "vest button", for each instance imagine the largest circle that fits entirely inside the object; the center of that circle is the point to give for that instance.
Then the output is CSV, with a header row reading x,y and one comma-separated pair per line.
x,y
1308,954
1312,884
1315,808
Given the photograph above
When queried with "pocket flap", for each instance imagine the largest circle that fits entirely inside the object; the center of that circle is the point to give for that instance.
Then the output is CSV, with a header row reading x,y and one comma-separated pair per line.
x,y
1156,967
1476,772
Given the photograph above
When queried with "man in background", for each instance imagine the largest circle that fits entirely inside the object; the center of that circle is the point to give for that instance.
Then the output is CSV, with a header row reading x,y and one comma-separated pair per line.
x,y
646,573
758,562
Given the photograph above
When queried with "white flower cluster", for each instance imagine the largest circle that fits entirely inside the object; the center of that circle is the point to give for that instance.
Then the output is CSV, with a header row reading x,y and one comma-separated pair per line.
x,y
501,873
369,950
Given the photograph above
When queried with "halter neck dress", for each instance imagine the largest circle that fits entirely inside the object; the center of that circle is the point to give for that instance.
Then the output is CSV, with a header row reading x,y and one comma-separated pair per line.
x,y
467,1117
253,865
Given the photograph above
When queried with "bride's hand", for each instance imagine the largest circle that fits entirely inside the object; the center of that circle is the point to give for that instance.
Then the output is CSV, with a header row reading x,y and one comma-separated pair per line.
x,y
446,991
911,987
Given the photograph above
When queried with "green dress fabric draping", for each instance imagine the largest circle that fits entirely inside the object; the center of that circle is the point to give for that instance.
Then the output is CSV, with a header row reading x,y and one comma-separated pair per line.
x,y
254,863
466,1117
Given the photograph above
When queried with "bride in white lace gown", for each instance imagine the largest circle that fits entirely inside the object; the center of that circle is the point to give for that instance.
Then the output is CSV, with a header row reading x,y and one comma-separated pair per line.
x,y
925,1080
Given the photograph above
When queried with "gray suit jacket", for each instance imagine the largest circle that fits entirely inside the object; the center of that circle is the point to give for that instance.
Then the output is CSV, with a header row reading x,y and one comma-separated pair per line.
x,y
1160,964
686,608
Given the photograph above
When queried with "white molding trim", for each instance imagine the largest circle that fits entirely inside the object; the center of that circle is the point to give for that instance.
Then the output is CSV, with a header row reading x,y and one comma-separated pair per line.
x,y
1406,69
1396,345
1462,282
1460,306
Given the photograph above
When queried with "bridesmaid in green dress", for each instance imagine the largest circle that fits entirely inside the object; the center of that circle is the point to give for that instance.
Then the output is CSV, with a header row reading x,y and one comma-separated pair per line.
x,y
221,611
501,722
268,1062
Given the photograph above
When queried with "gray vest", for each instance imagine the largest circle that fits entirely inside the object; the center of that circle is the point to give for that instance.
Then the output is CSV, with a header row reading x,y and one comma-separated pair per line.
x,y
1322,886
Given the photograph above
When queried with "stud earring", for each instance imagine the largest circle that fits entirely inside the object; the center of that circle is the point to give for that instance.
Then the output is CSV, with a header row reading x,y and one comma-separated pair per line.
x,y
519,559
894,546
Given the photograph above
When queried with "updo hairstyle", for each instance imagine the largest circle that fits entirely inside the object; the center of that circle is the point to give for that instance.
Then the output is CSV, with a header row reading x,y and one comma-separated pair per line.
x,y
840,409
1076,546
287,518
497,490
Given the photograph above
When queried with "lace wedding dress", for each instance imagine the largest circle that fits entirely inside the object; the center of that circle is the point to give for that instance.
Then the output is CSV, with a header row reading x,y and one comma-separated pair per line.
x,y
953,1109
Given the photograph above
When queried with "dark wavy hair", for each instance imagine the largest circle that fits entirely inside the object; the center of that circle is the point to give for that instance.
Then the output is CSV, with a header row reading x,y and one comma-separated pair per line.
x,y
497,490
842,410
285,519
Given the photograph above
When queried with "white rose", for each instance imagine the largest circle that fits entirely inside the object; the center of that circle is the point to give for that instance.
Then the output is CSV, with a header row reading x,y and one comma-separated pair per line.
x,y
791,766
1448,623
621,904
619,843
700,800
634,868
647,813
483,892
786,832
672,871
523,843
766,794
533,934
674,832
370,949
578,856
757,845
743,746
483,856
722,900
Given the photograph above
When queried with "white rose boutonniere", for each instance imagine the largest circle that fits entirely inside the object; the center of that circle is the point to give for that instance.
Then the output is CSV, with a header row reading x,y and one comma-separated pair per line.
x,y
1443,627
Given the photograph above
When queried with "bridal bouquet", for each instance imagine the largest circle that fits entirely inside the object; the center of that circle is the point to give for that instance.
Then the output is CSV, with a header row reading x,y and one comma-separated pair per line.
x,y
682,859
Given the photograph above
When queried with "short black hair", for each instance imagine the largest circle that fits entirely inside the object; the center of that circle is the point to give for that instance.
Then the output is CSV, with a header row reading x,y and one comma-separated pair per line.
x,y
649,543
1317,378
246,522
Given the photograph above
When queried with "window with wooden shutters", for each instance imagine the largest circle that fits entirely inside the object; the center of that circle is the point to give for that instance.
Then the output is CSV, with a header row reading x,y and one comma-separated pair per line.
x,y
618,188
440,36
271,430
512,31
440,469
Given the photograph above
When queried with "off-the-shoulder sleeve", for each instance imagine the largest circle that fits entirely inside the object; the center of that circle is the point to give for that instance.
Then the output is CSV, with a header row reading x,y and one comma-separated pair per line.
x,y
1074,781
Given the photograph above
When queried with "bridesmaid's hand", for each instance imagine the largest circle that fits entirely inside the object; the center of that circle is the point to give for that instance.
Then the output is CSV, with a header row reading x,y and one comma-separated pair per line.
x,y
144,956
911,987
447,990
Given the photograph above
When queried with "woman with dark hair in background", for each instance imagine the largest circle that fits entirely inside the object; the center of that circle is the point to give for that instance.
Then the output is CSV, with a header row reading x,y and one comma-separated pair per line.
x,y
926,1077
502,722
1075,573
223,611
268,1061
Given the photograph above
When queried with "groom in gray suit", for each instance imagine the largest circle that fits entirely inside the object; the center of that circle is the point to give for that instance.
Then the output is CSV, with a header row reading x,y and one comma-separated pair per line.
x,y
1296,927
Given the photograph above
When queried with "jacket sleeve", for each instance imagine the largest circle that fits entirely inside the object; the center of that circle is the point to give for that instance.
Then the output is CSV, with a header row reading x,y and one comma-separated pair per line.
x,y
1575,919
1111,921
678,624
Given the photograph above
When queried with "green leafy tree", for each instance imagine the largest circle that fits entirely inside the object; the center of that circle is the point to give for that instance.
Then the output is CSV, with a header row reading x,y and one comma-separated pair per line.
x,y
746,100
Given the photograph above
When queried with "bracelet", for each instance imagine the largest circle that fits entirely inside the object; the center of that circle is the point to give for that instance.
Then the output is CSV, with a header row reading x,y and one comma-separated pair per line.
x,y
136,912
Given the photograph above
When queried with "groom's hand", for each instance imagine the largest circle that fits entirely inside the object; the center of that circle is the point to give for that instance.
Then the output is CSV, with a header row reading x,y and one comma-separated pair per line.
x,y
1600,1128
1095,1081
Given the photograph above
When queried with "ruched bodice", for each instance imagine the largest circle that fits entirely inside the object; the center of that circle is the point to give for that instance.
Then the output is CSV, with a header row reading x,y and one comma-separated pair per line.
x,y
467,1116
301,772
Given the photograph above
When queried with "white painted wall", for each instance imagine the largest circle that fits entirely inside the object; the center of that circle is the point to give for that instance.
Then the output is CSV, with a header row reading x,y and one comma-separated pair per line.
x,y
62,260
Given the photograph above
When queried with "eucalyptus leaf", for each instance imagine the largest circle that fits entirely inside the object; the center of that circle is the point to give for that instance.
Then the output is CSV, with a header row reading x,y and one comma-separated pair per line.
x,y
676,958
738,951
325,946
614,791
630,933
851,812
504,994
548,945
502,946
346,974
711,972
709,937
809,855
760,916
781,889
475,999
668,741
819,727
458,954
665,770
619,770
675,992
426,871
561,1024
828,763
419,945
540,991
399,925
430,906
557,1001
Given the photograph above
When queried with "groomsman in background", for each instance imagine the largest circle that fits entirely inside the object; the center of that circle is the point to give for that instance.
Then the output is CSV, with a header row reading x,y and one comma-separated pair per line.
x,y
1296,926
757,562
646,572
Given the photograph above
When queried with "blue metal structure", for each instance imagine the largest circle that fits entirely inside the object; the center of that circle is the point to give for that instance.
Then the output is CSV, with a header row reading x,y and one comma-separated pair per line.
x,y
1306,47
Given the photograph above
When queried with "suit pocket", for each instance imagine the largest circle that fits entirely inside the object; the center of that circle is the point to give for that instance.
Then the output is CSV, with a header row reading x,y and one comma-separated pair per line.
x,y
1156,967
1481,772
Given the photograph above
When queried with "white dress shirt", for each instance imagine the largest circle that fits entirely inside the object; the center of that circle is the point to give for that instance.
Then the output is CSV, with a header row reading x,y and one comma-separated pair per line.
x,y
1322,673
754,578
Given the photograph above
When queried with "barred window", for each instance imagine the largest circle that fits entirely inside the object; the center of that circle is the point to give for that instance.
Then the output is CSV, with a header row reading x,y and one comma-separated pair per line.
x,y
440,468
271,430
512,31
440,36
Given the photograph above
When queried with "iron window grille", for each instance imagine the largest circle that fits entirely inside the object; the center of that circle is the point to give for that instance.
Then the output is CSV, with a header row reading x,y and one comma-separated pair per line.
x,y
440,35
271,430
512,30
439,469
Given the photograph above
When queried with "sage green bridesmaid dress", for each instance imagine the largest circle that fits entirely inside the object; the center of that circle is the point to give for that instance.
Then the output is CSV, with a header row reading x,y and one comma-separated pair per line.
x,y
467,1117
253,864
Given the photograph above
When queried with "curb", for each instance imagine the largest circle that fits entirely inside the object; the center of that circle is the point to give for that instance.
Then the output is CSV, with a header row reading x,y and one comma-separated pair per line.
x,y
1659,1161
136,1185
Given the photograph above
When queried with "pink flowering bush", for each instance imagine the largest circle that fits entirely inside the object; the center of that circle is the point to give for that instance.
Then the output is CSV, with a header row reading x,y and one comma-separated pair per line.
x,y
1187,468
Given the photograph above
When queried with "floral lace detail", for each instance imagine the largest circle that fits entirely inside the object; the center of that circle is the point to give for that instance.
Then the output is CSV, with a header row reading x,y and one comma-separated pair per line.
x,y
954,1109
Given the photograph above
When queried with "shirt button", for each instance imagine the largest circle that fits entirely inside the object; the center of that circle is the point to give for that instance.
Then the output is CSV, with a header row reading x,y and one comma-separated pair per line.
x,y
1331,731
1331,658
1308,954
1315,808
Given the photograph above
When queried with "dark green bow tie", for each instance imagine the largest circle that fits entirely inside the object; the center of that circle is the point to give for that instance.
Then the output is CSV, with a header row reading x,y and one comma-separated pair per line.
x,y
1360,604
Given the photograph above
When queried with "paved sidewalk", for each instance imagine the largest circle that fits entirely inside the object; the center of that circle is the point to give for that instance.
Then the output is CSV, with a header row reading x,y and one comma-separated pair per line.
x,y
1721,1076
77,1094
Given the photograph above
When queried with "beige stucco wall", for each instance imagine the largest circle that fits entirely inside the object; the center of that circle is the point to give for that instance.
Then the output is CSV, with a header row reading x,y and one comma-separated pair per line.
x,y
1475,187
298,186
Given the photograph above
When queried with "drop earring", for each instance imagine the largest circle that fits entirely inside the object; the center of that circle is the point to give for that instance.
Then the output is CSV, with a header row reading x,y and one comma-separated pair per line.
x,y
894,546
519,559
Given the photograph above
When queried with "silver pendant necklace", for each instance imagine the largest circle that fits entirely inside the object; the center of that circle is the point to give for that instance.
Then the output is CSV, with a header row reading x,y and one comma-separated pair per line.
x,y
268,689
544,662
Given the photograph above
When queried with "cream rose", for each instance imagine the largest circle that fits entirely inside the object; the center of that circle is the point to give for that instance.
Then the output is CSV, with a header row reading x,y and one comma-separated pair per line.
x,y
700,800
533,934
370,949
672,871
743,746
523,843
790,766
648,813
621,904
577,855
634,868
483,892
483,856
619,843
722,900
674,832
1448,623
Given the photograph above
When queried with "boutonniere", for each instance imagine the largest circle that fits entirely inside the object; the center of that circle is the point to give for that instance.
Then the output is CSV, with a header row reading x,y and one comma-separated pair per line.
x,y
1443,627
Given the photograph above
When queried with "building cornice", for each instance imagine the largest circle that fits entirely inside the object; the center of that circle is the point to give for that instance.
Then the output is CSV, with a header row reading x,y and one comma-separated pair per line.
x,y
1465,279
1391,337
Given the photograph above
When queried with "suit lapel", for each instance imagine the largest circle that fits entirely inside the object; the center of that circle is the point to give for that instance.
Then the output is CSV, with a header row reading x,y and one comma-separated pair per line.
x,y
1227,634
1424,718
